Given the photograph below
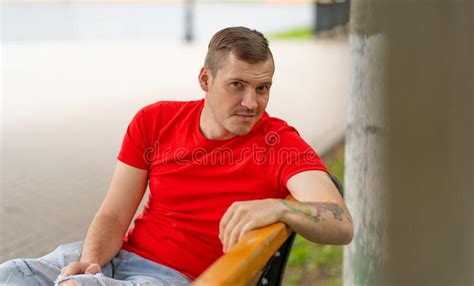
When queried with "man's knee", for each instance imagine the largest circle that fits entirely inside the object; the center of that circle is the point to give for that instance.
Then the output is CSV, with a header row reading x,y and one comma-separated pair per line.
x,y
15,272
64,254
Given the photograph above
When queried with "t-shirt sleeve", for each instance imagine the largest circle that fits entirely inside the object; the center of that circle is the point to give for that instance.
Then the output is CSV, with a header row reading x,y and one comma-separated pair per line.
x,y
135,142
292,156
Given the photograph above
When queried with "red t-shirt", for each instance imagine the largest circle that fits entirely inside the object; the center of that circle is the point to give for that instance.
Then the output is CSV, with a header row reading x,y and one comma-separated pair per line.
x,y
193,180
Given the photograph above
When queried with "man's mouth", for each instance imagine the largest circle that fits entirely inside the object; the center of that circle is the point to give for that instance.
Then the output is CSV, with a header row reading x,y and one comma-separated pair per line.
x,y
245,117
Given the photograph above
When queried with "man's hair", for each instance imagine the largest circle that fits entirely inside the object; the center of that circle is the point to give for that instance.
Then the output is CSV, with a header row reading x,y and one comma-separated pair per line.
x,y
247,45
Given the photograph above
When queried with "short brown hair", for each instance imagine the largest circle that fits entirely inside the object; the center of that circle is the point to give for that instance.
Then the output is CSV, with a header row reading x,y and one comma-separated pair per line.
x,y
247,45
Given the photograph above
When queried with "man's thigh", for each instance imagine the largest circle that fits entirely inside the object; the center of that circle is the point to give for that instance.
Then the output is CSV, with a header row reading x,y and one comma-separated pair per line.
x,y
141,271
39,271
100,280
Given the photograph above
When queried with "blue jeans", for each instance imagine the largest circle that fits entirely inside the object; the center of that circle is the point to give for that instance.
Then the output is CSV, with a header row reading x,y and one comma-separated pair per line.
x,y
125,269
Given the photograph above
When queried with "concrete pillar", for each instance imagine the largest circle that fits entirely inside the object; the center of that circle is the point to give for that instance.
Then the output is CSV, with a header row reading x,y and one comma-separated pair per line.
x,y
412,61
365,175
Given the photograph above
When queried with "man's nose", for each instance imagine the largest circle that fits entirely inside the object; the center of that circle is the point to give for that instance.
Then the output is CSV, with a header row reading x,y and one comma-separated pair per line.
x,y
250,100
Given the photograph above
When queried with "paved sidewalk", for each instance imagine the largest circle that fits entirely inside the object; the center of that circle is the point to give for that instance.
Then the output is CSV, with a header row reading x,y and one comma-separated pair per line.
x,y
66,107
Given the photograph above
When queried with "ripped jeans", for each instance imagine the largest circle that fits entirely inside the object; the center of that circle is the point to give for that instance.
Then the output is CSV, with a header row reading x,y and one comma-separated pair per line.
x,y
125,269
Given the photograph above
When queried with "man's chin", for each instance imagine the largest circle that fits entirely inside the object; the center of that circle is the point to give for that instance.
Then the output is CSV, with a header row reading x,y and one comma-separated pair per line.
x,y
241,129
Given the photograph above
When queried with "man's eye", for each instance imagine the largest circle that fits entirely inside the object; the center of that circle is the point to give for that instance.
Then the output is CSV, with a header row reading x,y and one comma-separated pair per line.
x,y
262,88
236,84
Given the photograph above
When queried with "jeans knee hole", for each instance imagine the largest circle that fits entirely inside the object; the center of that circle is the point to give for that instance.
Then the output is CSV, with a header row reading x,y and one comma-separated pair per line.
x,y
24,267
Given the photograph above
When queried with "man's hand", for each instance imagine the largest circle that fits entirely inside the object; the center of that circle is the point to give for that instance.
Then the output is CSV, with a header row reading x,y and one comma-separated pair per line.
x,y
77,267
244,216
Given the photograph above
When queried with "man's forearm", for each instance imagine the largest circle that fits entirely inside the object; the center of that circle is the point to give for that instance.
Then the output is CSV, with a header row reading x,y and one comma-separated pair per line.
x,y
321,222
104,239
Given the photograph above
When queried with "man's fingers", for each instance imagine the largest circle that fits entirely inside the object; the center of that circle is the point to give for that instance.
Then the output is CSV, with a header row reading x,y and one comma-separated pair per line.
x,y
246,228
93,269
225,223
77,267
71,269
234,235
225,219
229,228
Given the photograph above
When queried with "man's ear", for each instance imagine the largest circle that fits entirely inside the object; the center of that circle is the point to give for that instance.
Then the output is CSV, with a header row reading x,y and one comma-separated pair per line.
x,y
204,79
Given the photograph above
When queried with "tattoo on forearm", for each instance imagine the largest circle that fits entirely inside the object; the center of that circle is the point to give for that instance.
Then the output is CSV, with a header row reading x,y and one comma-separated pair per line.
x,y
315,210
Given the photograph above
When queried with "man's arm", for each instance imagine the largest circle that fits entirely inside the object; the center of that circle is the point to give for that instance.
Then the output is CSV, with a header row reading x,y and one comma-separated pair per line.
x,y
105,235
319,214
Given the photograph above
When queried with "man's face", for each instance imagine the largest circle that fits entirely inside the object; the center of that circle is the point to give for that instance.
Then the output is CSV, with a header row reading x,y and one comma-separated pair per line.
x,y
238,94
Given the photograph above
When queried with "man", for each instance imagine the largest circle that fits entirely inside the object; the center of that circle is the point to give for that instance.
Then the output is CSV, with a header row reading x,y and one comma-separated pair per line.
x,y
216,168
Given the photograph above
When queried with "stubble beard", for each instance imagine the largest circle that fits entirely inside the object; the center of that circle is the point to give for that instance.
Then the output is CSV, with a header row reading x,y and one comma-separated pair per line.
x,y
238,128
